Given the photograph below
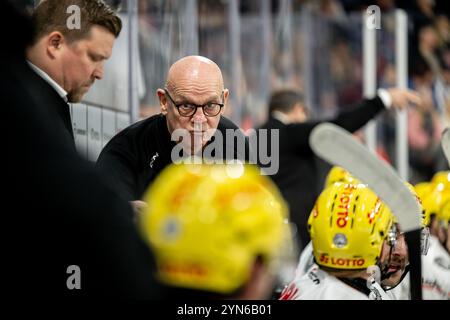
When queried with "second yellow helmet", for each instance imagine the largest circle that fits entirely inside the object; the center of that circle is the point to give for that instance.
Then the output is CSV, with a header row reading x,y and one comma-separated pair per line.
x,y
348,226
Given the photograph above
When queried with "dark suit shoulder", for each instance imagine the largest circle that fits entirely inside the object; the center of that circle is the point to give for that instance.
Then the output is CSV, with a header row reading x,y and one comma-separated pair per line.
x,y
272,123
226,123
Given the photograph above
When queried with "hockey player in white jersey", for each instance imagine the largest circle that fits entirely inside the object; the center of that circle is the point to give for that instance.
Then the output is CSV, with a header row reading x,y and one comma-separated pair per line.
x,y
436,263
336,174
357,247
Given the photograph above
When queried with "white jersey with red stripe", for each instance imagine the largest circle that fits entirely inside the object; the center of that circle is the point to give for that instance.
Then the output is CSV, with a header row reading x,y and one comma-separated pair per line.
x,y
317,284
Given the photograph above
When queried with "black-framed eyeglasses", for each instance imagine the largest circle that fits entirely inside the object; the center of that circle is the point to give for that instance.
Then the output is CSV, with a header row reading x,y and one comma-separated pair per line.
x,y
210,109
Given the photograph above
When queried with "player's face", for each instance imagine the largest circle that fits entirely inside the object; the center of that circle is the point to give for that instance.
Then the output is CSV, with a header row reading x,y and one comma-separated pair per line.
x,y
393,260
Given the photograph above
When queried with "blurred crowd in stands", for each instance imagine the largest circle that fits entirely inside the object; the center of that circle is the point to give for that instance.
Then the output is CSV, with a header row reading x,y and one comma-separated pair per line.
x,y
314,46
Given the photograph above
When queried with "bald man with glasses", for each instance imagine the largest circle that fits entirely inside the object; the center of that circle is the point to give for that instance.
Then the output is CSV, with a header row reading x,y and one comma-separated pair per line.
x,y
192,103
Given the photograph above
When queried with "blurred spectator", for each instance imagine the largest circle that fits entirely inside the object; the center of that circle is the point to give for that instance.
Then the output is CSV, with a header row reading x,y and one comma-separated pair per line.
x,y
424,127
442,26
426,8
428,45
331,9
442,88
386,5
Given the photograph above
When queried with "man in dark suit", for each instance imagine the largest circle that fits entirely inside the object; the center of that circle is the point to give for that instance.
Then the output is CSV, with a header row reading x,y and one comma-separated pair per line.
x,y
70,56
67,234
298,176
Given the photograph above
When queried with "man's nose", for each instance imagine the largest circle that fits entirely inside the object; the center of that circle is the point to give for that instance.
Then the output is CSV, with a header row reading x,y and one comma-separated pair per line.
x,y
98,72
199,116
400,247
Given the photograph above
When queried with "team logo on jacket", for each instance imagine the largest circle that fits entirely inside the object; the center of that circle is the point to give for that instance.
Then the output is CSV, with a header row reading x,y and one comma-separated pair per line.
x,y
156,155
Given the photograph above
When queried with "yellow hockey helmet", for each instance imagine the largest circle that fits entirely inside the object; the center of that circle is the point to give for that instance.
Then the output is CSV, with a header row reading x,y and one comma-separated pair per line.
x,y
442,177
348,226
435,199
435,193
338,174
423,188
419,192
207,224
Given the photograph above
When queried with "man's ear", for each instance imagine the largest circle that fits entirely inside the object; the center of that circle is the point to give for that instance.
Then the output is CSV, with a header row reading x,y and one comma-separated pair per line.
x,y
300,112
162,100
54,43
226,93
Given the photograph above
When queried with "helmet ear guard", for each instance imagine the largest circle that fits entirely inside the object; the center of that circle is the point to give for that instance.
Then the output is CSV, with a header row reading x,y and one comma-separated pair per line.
x,y
424,240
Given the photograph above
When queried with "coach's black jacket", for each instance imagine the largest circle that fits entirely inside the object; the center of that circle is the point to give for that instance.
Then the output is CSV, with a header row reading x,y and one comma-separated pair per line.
x,y
136,155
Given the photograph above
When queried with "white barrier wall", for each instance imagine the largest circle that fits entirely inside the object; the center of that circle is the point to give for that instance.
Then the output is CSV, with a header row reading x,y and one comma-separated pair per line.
x,y
94,125
108,125
80,130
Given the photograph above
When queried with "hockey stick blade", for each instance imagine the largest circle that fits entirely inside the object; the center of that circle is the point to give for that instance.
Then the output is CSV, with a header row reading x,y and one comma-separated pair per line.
x,y
338,147
445,143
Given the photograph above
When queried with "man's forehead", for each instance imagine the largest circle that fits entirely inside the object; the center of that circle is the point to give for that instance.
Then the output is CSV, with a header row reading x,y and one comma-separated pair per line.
x,y
199,85
191,93
195,68
99,41
195,73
